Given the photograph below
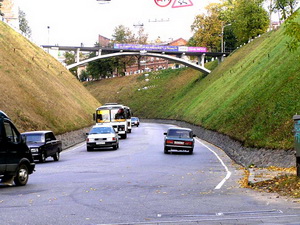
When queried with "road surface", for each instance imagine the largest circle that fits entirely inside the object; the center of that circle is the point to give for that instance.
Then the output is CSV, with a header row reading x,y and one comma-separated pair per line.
x,y
139,184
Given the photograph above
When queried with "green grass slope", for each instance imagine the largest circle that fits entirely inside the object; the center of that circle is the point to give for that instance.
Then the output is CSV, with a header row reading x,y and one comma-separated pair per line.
x,y
37,92
251,96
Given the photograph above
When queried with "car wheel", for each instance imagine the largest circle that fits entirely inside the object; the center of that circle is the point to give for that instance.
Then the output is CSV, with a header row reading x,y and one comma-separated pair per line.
x,y
190,152
124,136
89,149
129,130
166,150
22,175
56,156
42,157
115,147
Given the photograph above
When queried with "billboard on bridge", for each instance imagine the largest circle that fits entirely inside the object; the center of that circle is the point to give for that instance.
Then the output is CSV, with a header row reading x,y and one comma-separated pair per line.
x,y
163,48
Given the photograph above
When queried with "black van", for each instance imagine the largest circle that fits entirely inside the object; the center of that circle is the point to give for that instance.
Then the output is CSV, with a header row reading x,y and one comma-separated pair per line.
x,y
16,162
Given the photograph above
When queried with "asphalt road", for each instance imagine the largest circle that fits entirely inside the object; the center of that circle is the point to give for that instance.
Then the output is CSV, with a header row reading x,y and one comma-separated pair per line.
x,y
139,184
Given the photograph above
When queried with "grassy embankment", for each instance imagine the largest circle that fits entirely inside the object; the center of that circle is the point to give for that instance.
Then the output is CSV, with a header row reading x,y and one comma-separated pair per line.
x,y
37,92
252,96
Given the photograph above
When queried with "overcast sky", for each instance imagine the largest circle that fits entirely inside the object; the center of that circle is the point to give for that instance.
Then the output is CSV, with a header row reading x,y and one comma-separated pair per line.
x,y
73,22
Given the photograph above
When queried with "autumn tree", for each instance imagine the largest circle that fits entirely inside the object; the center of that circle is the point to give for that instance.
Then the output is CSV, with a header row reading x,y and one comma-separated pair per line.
x,y
207,28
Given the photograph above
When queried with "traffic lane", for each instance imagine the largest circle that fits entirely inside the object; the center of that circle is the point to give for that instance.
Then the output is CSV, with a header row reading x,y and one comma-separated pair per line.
x,y
134,182
138,182
151,139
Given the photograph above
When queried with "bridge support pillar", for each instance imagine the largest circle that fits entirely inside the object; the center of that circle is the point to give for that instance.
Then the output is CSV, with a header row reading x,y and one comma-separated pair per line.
x,y
77,55
201,60
100,51
221,58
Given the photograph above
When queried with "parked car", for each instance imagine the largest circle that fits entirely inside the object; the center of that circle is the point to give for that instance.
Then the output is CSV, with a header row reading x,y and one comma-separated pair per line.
x,y
102,136
43,144
16,161
181,139
135,121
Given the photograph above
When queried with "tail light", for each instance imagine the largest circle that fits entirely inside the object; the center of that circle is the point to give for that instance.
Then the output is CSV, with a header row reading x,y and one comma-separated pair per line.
x,y
114,139
169,142
188,143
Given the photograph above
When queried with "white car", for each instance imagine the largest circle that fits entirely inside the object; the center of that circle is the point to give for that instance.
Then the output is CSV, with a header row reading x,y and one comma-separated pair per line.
x,y
102,136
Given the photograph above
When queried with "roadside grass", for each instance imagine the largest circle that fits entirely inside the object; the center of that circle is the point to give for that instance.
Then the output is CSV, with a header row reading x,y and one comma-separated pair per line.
x,y
37,92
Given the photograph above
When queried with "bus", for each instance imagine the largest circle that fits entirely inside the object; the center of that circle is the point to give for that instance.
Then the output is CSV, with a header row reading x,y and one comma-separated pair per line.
x,y
128,118
115,114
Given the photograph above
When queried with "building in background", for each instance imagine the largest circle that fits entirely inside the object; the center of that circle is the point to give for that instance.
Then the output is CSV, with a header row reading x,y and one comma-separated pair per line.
x,y
10,9
103,41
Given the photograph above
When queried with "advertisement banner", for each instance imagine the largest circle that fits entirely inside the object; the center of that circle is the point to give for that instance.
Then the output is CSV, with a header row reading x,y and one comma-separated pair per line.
x,y
163,48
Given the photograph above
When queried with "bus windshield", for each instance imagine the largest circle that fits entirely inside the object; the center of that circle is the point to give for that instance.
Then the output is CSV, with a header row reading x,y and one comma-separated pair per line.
x,y
118,114
103,116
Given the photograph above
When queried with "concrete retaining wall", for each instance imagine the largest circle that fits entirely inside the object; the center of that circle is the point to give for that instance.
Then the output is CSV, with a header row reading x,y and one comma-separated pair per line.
x,y
234,149
72,138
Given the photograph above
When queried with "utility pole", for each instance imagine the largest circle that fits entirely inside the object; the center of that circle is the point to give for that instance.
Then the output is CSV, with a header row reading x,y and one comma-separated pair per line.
x,y
222,36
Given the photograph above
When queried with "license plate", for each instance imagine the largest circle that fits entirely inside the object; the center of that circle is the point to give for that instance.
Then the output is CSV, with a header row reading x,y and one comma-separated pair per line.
x,y
178,142
100,142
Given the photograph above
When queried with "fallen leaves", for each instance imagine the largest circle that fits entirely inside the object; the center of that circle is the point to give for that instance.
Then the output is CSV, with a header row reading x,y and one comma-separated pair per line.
x,y
285,185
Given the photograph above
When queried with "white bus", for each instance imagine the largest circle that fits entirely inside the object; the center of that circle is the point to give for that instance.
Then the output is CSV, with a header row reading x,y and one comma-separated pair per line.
x,y
115,114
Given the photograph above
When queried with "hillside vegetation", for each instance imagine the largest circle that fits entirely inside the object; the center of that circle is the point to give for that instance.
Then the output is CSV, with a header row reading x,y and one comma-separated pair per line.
x,y
251,96
37,92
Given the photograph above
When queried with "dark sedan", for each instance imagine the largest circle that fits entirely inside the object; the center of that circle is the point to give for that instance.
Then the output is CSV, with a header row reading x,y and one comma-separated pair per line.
x,y
43,144
181,139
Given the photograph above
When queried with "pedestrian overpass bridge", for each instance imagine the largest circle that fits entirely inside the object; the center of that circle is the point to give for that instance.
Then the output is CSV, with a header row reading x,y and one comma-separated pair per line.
x,y
176,56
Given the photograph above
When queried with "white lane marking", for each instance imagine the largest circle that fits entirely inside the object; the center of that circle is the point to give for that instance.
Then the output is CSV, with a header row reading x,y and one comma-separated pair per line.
x,y
80,145
221,161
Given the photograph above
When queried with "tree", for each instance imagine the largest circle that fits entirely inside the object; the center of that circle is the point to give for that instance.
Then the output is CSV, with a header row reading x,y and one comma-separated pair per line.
x,y
207,28
101,68
70,59
249,19
141,38
292,29
285,7
23,24
123,35
1,14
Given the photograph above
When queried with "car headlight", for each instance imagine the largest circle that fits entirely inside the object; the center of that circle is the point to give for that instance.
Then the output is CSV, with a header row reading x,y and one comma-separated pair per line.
x,y
34,150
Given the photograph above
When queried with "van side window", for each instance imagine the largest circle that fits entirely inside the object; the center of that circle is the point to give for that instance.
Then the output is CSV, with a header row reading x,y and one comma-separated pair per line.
x,y
11,133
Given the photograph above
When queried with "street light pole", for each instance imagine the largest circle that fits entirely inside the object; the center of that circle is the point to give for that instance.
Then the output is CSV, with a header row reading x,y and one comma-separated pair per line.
x,y
48,34
222,36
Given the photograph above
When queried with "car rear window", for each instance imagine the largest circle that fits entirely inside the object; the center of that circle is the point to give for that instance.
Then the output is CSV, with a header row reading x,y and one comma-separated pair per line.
x,y
34,138
180,133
